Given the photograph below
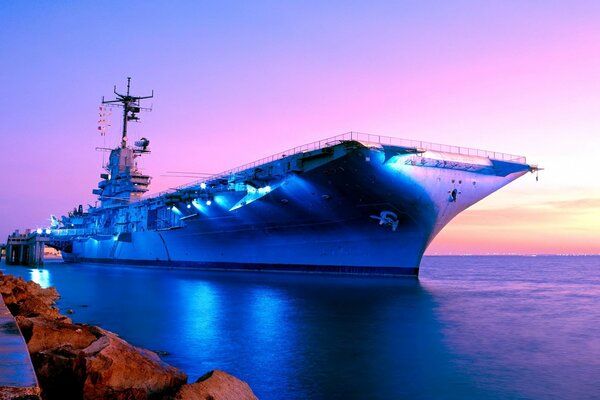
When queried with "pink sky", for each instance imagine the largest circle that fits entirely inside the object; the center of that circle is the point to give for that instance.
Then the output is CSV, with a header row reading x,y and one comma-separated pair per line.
x,y
235,82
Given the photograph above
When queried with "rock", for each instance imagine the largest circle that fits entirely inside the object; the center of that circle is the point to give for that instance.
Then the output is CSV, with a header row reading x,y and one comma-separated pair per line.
x,y
58,373
75,361
35,307
13,393
50,294
78,361
21,289
43,334
216,385
112,368
28,298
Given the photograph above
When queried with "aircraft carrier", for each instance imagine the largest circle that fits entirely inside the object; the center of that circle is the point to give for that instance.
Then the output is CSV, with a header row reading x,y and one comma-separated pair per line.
x,y
354,203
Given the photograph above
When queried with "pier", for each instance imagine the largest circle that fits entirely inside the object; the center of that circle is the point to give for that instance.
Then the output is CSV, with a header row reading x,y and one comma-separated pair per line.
x,y
26,248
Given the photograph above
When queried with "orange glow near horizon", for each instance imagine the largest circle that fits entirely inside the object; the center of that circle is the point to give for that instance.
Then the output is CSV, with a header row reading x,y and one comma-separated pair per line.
x,y
554,227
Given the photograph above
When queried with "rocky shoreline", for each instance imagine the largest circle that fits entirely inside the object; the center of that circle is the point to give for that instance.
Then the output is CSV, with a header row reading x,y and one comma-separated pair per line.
x,y
80,361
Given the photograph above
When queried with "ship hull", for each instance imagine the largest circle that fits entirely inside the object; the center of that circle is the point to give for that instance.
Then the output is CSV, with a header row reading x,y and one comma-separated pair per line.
x,y
243,266
360,211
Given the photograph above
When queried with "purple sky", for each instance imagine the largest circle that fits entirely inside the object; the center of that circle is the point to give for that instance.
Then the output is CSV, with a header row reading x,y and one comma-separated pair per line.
x,y
237,81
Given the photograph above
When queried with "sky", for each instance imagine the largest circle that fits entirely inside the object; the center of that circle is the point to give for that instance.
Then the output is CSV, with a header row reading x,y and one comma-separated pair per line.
x,y
238,81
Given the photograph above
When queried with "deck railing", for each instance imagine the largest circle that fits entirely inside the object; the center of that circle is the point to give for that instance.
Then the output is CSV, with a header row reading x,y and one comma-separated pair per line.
x,y
73,232
360,137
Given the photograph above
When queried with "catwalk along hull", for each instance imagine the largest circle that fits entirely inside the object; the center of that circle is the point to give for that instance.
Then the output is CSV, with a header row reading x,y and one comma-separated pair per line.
x,y
349,207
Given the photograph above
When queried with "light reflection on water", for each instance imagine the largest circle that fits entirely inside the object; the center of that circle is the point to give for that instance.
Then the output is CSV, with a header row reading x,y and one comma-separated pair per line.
x,y
41,277
471,327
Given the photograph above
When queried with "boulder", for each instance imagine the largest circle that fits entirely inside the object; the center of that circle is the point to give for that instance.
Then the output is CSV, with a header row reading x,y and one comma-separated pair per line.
x,y
43,334
78,361
20,289
28,298
49,295
216,385
114,369
35,307
58,373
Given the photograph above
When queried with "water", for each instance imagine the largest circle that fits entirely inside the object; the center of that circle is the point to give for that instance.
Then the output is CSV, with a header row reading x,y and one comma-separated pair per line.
x,y
469,328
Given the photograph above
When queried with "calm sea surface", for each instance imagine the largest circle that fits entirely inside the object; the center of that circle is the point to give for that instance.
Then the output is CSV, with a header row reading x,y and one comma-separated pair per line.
x,y
469,328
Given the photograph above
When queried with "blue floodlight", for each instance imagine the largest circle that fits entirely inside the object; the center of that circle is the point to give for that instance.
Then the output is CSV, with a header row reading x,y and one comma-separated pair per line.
x,y
176,210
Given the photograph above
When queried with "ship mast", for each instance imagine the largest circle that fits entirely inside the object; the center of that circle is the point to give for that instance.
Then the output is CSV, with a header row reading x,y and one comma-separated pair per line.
x,y
124,182
131,107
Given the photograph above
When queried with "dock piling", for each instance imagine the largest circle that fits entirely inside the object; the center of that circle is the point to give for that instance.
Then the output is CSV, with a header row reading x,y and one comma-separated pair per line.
x,y
26,248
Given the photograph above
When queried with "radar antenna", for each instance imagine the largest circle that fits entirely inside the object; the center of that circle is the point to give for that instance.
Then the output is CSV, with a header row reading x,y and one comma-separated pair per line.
x,y
131,107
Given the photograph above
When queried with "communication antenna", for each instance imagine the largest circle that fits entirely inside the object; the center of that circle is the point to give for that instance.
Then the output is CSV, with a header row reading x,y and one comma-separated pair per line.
x,y
131,107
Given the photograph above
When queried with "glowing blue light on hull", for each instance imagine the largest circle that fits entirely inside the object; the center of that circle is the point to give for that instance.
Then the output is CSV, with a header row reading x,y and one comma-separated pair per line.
x,y
176,210
252,194
198,206
221,201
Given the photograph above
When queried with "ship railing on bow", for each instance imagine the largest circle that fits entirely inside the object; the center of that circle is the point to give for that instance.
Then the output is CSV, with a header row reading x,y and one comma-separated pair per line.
x,y
363,138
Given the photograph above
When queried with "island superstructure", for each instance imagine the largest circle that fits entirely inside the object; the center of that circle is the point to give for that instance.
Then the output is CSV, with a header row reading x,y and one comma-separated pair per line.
x,y
353,203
